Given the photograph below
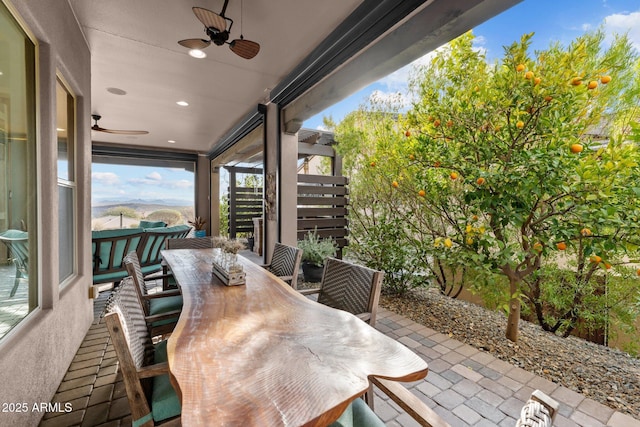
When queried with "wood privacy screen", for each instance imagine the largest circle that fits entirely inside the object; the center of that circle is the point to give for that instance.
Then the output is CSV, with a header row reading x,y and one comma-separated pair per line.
x,y
322,204
245,203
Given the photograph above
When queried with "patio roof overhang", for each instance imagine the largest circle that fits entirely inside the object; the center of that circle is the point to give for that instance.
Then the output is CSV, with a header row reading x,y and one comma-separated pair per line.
x,y
312,55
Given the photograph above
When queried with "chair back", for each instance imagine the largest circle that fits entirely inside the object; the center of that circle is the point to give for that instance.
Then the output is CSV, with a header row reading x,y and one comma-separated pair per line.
x,y
18,243
285,262
109,247
132,264
132,343
195,243
149,252
350,287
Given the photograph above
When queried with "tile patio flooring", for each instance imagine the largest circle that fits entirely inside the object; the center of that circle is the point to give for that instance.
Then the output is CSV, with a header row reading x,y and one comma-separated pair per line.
x,y
466,386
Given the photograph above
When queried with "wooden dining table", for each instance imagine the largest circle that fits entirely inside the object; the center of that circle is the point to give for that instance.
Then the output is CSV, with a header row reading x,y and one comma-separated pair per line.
x,y
262,354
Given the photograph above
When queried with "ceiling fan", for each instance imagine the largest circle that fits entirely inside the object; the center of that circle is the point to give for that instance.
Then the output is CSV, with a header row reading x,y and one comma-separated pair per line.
x,y
215,27
97,128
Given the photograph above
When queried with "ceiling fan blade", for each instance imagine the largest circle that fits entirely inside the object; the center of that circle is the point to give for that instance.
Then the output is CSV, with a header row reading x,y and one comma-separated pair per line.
x,y
194,43
125,132
210,19
97,128
246,49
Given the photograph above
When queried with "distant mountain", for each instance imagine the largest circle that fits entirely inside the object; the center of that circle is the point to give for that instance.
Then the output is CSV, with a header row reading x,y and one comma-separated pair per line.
x,y
164,202
144,207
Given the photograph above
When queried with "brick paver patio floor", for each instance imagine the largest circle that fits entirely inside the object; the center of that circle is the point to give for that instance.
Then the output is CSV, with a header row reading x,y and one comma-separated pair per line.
x,y
466,386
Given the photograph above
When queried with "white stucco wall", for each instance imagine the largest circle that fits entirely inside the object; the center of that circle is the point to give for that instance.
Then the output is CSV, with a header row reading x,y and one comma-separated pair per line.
x,y
35,356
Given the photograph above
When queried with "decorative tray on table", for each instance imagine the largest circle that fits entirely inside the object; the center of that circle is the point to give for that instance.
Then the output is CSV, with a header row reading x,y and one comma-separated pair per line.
x,y
231,273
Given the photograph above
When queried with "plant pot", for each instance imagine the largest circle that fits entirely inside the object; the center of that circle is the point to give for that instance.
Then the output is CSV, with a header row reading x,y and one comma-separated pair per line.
x,y
201,233
311,272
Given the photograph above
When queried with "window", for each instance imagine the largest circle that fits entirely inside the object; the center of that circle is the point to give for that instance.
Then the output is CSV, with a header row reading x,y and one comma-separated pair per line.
x,y
18,208
65,127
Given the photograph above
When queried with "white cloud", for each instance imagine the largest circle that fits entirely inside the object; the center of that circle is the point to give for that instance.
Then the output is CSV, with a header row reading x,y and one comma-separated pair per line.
x,y
322,128
155,176
106,178
621,23
397,81
183,183
586,27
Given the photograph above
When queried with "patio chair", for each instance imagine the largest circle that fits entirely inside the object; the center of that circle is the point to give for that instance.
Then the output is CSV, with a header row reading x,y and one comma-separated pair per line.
x,y
168,281
18,244
152,398
285,263
152,303
540,410
349,287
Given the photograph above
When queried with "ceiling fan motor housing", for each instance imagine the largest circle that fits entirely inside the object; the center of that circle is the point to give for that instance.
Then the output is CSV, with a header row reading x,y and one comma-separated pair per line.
x,y
218,37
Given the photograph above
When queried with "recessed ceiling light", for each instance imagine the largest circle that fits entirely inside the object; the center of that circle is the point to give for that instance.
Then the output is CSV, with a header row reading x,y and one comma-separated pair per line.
x,y
60,129
116,91
1,73
182,103
171,141
197,53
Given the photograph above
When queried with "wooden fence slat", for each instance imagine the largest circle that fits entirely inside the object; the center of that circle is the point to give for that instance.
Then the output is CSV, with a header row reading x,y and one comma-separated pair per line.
x,y
304,213
323,179
322,201
325,233
310,224
317,189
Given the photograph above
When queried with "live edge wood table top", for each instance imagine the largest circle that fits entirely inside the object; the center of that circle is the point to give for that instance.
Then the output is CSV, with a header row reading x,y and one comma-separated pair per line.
x,y
261,354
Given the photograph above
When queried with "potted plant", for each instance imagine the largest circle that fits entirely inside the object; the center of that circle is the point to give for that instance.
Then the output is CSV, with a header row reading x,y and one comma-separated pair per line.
x,y
314,251
198,224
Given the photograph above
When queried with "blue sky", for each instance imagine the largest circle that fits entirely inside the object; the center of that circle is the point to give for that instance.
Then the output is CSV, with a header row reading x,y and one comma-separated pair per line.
x,y
550,20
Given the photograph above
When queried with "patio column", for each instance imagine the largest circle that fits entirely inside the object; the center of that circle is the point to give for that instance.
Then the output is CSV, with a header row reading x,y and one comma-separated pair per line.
x,y
203,189
271,144
215,200
288,187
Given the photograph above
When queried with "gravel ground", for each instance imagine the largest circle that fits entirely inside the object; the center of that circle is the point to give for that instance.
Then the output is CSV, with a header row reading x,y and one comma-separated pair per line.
x,y
605,375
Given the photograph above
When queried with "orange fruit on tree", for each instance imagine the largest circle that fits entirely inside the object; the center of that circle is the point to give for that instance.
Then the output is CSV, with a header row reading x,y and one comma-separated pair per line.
x,y
520,67
475,217
412,157
373,164
480,181
436,165
638,272
576,81
576,148
449,123
422,193
548,98
561,246
394,184
436,123
407,134
528,75
520,124
453,176
537,246
537,81
607,266
586,232
595,259
605,79
592,84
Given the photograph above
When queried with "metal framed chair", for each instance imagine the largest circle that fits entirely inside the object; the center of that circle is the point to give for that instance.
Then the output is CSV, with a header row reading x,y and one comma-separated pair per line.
x,y
17,241
158,303
350,287
145,372
285,263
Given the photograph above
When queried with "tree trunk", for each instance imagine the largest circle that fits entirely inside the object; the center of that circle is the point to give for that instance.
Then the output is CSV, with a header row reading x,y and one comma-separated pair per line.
x,y
514,311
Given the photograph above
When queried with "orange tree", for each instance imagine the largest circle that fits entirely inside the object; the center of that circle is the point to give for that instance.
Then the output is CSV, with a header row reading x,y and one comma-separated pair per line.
x,y
502,156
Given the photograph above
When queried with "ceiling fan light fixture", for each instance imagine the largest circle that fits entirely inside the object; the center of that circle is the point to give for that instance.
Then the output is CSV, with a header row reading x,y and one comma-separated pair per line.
x,y
197,53
182,103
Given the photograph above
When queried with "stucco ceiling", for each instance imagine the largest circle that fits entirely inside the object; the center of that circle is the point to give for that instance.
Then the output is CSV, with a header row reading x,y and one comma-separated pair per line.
x,y
134,48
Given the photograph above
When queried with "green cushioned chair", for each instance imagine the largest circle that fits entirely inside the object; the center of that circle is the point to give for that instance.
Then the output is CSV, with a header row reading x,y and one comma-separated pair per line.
x,y
109,248
149,251
358,414
18,243
143,365
153,304
151,224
